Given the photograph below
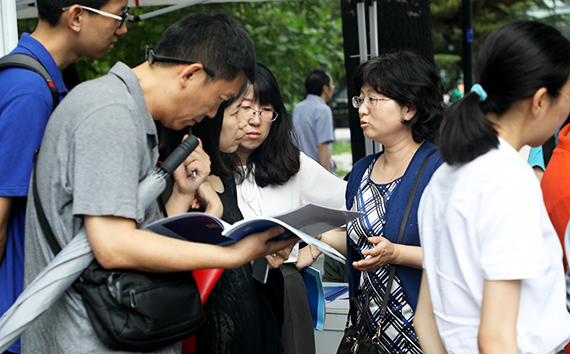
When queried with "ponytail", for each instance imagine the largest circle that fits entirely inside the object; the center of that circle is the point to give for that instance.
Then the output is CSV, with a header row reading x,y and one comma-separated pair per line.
x,y
467,133
516,60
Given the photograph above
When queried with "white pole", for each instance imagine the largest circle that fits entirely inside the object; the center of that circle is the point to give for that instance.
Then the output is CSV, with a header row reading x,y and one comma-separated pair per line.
x,y
8,26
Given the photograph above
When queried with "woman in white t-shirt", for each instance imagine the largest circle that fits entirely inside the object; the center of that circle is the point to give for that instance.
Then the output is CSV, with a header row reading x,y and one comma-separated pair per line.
x,y
493,278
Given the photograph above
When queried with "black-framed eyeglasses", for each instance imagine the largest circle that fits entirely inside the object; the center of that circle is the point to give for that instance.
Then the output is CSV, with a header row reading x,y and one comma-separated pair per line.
x,y
153,58
121,18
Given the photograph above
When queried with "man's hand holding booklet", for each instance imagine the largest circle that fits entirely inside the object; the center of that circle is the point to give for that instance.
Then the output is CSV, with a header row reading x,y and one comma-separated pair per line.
x,y
304,222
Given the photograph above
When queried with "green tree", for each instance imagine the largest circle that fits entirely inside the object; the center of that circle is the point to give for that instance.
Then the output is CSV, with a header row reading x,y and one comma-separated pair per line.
x,y
290,37
487,15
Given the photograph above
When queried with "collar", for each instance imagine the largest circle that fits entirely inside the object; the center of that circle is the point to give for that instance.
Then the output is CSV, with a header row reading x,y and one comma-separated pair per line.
x,y
131,81
31,46
312,97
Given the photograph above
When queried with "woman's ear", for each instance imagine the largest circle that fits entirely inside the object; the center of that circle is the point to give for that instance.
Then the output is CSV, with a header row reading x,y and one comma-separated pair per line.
x,y
539,101
409,112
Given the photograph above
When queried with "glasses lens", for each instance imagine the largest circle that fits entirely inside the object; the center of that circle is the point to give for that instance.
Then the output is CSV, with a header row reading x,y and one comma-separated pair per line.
x,y
356,101
124,16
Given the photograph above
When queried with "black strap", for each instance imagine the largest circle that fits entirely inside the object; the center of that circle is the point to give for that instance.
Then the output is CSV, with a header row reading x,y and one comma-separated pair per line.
x,y
400,239
46,229
29,62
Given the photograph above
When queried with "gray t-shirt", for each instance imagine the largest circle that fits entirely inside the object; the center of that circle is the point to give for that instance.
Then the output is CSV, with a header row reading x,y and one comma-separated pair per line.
x,y
99,143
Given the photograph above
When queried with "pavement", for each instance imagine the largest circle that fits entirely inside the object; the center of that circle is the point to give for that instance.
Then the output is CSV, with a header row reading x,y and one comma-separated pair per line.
x,y
343,160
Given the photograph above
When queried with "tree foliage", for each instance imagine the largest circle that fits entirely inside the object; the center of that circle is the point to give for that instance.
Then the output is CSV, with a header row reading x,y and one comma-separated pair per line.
x,y
290,37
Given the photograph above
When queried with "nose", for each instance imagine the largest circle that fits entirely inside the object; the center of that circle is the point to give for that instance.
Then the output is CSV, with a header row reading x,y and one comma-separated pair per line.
x,y
214,110
362,110
242,122
121,30
255,120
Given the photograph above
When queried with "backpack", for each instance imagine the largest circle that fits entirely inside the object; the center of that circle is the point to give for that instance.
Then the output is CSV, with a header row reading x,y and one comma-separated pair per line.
x,y
26,61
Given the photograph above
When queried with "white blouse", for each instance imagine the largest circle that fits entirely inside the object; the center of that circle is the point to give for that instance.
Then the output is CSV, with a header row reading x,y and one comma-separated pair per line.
x,y
312,184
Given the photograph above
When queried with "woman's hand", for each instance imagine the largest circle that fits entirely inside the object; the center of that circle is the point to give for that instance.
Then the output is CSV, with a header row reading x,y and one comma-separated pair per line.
x,y
278,258
307,256
258,245
197,165
384,252
206,197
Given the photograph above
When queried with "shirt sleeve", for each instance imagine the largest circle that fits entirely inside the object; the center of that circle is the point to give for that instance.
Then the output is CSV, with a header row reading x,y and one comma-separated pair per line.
x,y
512,244
106,169
324,125
536,157
22,125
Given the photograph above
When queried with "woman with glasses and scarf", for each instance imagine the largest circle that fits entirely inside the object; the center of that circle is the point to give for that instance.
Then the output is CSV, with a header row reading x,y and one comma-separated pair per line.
x,y
273,177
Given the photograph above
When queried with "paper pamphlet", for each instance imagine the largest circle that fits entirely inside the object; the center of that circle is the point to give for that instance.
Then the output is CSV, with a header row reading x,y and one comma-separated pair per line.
x,y
305,222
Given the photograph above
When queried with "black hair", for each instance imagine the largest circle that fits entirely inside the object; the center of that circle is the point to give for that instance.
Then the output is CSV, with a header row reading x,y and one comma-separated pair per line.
x,y
215,40
409,79
277,159
515,61
209,130
51,10
316,80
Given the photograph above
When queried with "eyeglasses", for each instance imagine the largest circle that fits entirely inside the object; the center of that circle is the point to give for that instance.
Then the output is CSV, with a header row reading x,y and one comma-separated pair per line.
x,y
121,18
370,102
153,58
266,114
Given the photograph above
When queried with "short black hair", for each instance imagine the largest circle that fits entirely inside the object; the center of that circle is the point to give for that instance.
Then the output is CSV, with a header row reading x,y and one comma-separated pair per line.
x,y
516,60
408,78
51,10
215,40
277,159
316,80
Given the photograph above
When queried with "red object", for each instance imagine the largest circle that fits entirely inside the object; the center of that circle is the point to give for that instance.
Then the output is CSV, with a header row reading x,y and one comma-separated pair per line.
x,y
205,279
556,192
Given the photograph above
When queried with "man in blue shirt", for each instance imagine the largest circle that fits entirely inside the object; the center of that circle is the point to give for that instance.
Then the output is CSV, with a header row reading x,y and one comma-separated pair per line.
x,y
65,32
313,119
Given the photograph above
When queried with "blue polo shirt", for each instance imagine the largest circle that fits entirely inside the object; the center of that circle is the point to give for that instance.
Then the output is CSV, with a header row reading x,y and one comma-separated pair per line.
x,y
313,123
25,105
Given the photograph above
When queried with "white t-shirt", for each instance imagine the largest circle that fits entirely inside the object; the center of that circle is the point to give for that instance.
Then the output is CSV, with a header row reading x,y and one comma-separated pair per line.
x,y
486,220
312,184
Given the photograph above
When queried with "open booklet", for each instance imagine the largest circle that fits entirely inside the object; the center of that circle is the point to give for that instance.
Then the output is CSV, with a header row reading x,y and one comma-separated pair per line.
x,y
305,222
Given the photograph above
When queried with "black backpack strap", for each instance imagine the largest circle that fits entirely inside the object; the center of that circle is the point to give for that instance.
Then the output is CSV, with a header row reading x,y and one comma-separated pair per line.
x,y
26,61
46,229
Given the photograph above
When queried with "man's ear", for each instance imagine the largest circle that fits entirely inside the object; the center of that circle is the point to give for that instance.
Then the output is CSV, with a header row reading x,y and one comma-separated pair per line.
x,y
539,101
74,17
409,112
190,72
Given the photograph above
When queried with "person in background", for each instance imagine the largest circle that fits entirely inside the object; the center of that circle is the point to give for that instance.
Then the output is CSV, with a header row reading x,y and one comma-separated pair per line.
x,y
555,190
101,141
313,119
66,31
274,177
493,281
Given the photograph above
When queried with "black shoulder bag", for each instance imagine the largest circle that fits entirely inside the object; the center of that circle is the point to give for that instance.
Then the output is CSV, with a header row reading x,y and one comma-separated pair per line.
x,y
132,310
353,342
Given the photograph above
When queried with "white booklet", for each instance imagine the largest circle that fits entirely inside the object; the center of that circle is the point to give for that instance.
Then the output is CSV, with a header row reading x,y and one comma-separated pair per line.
x,y
304,222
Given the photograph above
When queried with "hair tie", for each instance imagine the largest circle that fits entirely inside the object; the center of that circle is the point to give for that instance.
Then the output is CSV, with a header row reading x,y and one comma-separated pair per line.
x,y
478,89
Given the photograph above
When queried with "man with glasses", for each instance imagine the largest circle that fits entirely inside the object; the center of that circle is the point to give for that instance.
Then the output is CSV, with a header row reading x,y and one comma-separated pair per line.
x,y
65,32
313,119
102,140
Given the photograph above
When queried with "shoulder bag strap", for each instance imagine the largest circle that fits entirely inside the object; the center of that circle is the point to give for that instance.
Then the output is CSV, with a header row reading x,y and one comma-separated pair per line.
x,y
392,272
46,229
